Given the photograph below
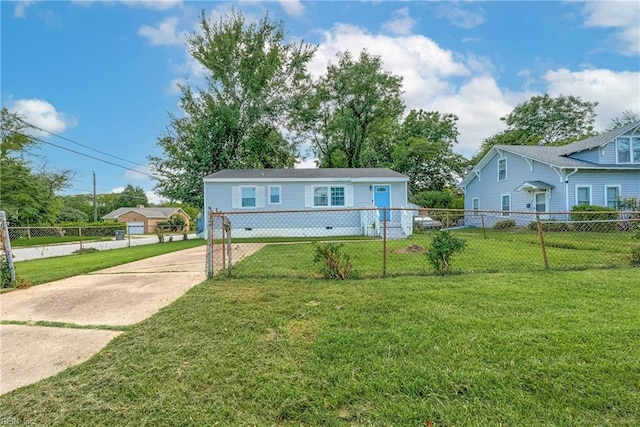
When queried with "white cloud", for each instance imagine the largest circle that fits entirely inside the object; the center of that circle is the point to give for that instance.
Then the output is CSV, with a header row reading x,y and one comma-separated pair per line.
x,y
154,198
624,16
164,33
614,91
402,24
460,17
19,11
292,7
141,172
42,114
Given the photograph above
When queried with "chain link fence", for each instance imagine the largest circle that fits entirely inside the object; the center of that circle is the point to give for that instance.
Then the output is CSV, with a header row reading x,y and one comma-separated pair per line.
x,y
394,242
29,243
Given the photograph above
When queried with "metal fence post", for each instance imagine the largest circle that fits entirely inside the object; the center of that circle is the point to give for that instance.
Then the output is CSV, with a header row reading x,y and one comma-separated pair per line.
x,y
6,243
209,243
384,242
542,245
80,236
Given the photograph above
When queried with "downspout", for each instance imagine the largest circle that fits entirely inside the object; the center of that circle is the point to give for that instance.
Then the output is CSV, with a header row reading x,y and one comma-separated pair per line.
x,y
566,188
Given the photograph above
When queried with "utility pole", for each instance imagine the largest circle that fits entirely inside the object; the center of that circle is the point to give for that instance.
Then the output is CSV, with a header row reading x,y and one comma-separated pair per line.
x,y
95,202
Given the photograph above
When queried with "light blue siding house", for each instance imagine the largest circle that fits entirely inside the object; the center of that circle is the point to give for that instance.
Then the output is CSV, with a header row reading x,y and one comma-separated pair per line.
x,y
310,202
550,180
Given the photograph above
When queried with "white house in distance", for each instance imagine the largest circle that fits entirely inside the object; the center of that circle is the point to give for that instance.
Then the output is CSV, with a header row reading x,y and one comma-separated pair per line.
x,y
595,171
310,202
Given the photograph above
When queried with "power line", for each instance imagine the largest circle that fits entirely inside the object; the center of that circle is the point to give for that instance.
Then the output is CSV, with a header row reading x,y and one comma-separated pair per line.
x,y
77,143
81,154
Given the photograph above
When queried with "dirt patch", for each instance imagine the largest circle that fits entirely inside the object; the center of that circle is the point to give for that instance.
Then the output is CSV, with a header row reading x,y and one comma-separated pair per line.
x,y
411,249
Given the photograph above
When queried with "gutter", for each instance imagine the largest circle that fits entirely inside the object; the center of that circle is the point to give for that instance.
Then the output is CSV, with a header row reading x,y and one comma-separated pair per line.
x,y
566,188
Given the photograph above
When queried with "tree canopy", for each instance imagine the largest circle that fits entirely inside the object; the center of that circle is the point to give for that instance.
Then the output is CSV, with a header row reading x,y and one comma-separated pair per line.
x,y
240,119
553,120
349,110
28,194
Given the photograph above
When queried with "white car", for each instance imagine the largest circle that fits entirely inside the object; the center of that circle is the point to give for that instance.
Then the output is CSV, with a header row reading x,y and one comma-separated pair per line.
x,y
424,222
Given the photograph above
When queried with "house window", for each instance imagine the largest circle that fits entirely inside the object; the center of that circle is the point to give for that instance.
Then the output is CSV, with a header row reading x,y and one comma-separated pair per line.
x,y
475,205
274,195
506,204
541,201
583,195
628,150
612,193
502,169
328,196
248,197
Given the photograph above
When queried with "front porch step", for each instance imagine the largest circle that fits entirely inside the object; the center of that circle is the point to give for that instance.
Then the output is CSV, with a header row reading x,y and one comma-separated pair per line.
x,y
394,231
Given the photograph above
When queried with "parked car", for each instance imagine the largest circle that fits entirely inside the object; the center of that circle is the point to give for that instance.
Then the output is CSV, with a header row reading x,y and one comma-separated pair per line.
x,y
423,222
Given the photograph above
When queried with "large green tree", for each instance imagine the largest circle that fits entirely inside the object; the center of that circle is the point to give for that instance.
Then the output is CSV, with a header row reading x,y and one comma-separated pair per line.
x,y
424,151
27,195
350,112
239,119
131,197
553,120
626,118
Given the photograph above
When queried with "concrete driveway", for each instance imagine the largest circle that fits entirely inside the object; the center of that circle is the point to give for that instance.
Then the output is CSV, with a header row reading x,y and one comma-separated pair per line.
x,y
116,296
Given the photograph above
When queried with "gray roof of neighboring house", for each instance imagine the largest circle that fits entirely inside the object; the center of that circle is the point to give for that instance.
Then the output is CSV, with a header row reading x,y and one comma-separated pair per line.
x,y
596,141
153,212
322,173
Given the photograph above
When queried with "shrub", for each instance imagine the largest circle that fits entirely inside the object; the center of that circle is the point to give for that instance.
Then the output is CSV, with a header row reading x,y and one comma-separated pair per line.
x,y
505,224
590,217
334,264
5,273
635,257
443,247
550,225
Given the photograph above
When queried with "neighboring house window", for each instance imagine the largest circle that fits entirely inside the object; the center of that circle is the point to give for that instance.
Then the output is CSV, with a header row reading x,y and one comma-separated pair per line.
x,y
612,193
541,201
475,205
248,197
502,169
329,196
628,150
583,195
506,204
274,195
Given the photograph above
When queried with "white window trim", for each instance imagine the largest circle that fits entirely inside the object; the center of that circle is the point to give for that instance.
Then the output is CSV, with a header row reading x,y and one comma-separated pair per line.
x,y
606,187
546,201
236,197
279,187
502,196
475,205
310,196
590,193
505,169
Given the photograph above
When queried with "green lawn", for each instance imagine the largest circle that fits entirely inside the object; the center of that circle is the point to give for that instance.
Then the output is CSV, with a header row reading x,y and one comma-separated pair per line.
x,y
546,348
48,269
488,251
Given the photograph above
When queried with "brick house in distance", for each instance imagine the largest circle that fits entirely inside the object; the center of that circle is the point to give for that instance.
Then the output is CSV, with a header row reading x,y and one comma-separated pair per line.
x,y
142,220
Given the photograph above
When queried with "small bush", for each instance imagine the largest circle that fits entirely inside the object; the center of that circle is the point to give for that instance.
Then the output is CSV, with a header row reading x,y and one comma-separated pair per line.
x,y
334,264
443,247
591,217
634,259
505,224
550,225
5,273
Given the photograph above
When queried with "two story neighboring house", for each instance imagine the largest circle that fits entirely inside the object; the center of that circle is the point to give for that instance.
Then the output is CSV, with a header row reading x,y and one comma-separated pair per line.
x,y
594,171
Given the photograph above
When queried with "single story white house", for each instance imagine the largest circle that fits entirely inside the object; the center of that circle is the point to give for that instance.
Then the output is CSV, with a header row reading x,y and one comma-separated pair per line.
x,y
310,202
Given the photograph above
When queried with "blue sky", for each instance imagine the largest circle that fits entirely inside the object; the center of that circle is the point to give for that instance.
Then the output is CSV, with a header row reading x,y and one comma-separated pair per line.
x,y
103,73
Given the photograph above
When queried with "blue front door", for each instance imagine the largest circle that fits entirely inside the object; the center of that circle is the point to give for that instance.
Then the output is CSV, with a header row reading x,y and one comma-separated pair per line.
x,y
382,199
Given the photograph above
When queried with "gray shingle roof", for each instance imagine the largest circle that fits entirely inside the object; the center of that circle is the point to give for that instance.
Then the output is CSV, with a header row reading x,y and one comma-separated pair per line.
x,y
322,173
595,141
153,212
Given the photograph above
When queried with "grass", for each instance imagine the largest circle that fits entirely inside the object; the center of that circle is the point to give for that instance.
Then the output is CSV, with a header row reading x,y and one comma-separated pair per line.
x,y
48,269
546,348
500,251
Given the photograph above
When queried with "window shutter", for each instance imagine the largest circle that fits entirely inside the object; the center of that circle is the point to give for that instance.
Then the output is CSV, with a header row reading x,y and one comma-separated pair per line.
x,y
260,197
348,195
308,196
236,197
